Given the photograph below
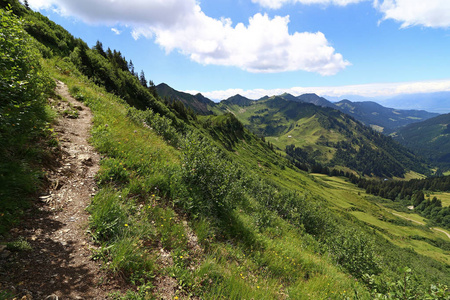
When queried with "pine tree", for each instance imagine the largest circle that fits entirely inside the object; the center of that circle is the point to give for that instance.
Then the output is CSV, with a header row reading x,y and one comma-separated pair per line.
x,y
27,6
99,48
152,88
131,67
142,79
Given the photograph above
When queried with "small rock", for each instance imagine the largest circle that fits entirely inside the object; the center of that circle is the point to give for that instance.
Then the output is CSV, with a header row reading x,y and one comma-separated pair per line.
x,y
85,159
2,248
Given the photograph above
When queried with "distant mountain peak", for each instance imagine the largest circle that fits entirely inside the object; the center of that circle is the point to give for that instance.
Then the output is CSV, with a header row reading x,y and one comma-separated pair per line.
x,y
239,100
198,102
316,100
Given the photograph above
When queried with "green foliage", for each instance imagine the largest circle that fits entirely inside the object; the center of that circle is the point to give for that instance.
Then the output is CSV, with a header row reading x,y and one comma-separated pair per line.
x,y
161,124
21,244
354,251
406,287
428,139
412,193
112,170
109,215
209,181
24,117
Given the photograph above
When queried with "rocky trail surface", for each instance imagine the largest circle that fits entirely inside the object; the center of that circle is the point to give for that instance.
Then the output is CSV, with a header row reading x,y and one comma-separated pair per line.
x,y
59,264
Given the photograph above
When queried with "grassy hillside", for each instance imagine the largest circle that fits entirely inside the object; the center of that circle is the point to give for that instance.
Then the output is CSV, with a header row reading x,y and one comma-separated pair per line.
x,y
429,138
204,205
326,136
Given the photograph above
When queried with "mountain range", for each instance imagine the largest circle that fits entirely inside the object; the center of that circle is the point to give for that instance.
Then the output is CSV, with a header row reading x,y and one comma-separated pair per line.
x,y
330,134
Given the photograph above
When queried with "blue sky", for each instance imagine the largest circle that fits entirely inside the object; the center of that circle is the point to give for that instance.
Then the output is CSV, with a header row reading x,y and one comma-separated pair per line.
x,y
372,48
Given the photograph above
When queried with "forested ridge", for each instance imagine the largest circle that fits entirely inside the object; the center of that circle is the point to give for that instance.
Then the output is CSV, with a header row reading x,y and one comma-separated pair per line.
x,y
196,202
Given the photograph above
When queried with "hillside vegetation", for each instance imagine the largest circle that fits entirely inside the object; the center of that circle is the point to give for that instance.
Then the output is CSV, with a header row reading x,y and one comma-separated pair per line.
x,y
324,136
429,139
200,203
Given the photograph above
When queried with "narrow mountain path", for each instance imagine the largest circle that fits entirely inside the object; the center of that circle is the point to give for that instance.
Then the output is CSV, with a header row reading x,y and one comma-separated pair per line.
x,y
421,223
59,266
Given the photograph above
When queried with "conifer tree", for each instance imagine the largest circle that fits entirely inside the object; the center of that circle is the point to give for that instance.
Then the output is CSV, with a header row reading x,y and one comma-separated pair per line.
x,y
99,48
131,67
142,79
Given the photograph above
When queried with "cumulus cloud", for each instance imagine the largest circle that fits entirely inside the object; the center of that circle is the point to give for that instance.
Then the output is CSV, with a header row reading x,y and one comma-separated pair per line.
x,y
377,90
275,4
263,45
429,13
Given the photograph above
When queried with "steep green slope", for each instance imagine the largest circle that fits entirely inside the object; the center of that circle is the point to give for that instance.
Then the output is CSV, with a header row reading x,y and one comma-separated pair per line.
x,y
198,103
381,118
430,138
211,208
327,136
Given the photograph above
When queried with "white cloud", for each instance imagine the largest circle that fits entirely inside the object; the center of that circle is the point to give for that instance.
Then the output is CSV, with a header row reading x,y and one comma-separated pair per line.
x,y
377,90
263,46
429,13
275,4
116,31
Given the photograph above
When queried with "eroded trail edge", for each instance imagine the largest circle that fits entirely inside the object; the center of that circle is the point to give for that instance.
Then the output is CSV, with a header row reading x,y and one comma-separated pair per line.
x,y
59,264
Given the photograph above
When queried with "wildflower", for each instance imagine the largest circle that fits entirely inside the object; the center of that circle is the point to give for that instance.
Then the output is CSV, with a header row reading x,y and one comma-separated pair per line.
x,y
126,225
181,256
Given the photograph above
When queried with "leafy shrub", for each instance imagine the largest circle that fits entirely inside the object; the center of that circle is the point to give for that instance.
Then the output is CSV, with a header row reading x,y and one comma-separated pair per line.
x,y
210,180
162,125
354,251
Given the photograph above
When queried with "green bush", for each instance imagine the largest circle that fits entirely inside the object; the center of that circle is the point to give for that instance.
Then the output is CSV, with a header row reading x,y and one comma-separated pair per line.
x,y
24,117
211,182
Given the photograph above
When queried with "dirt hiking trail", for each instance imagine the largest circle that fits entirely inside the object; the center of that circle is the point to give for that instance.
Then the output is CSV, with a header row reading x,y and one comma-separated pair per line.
x,y
59,266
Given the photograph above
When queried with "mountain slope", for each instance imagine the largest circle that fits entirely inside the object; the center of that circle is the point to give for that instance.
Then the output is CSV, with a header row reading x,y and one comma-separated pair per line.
x,y
430,138
316,100
198,103
329,136
382,118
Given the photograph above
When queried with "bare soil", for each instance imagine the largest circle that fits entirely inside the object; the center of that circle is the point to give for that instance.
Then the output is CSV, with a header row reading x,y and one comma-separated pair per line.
x,y
59,266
